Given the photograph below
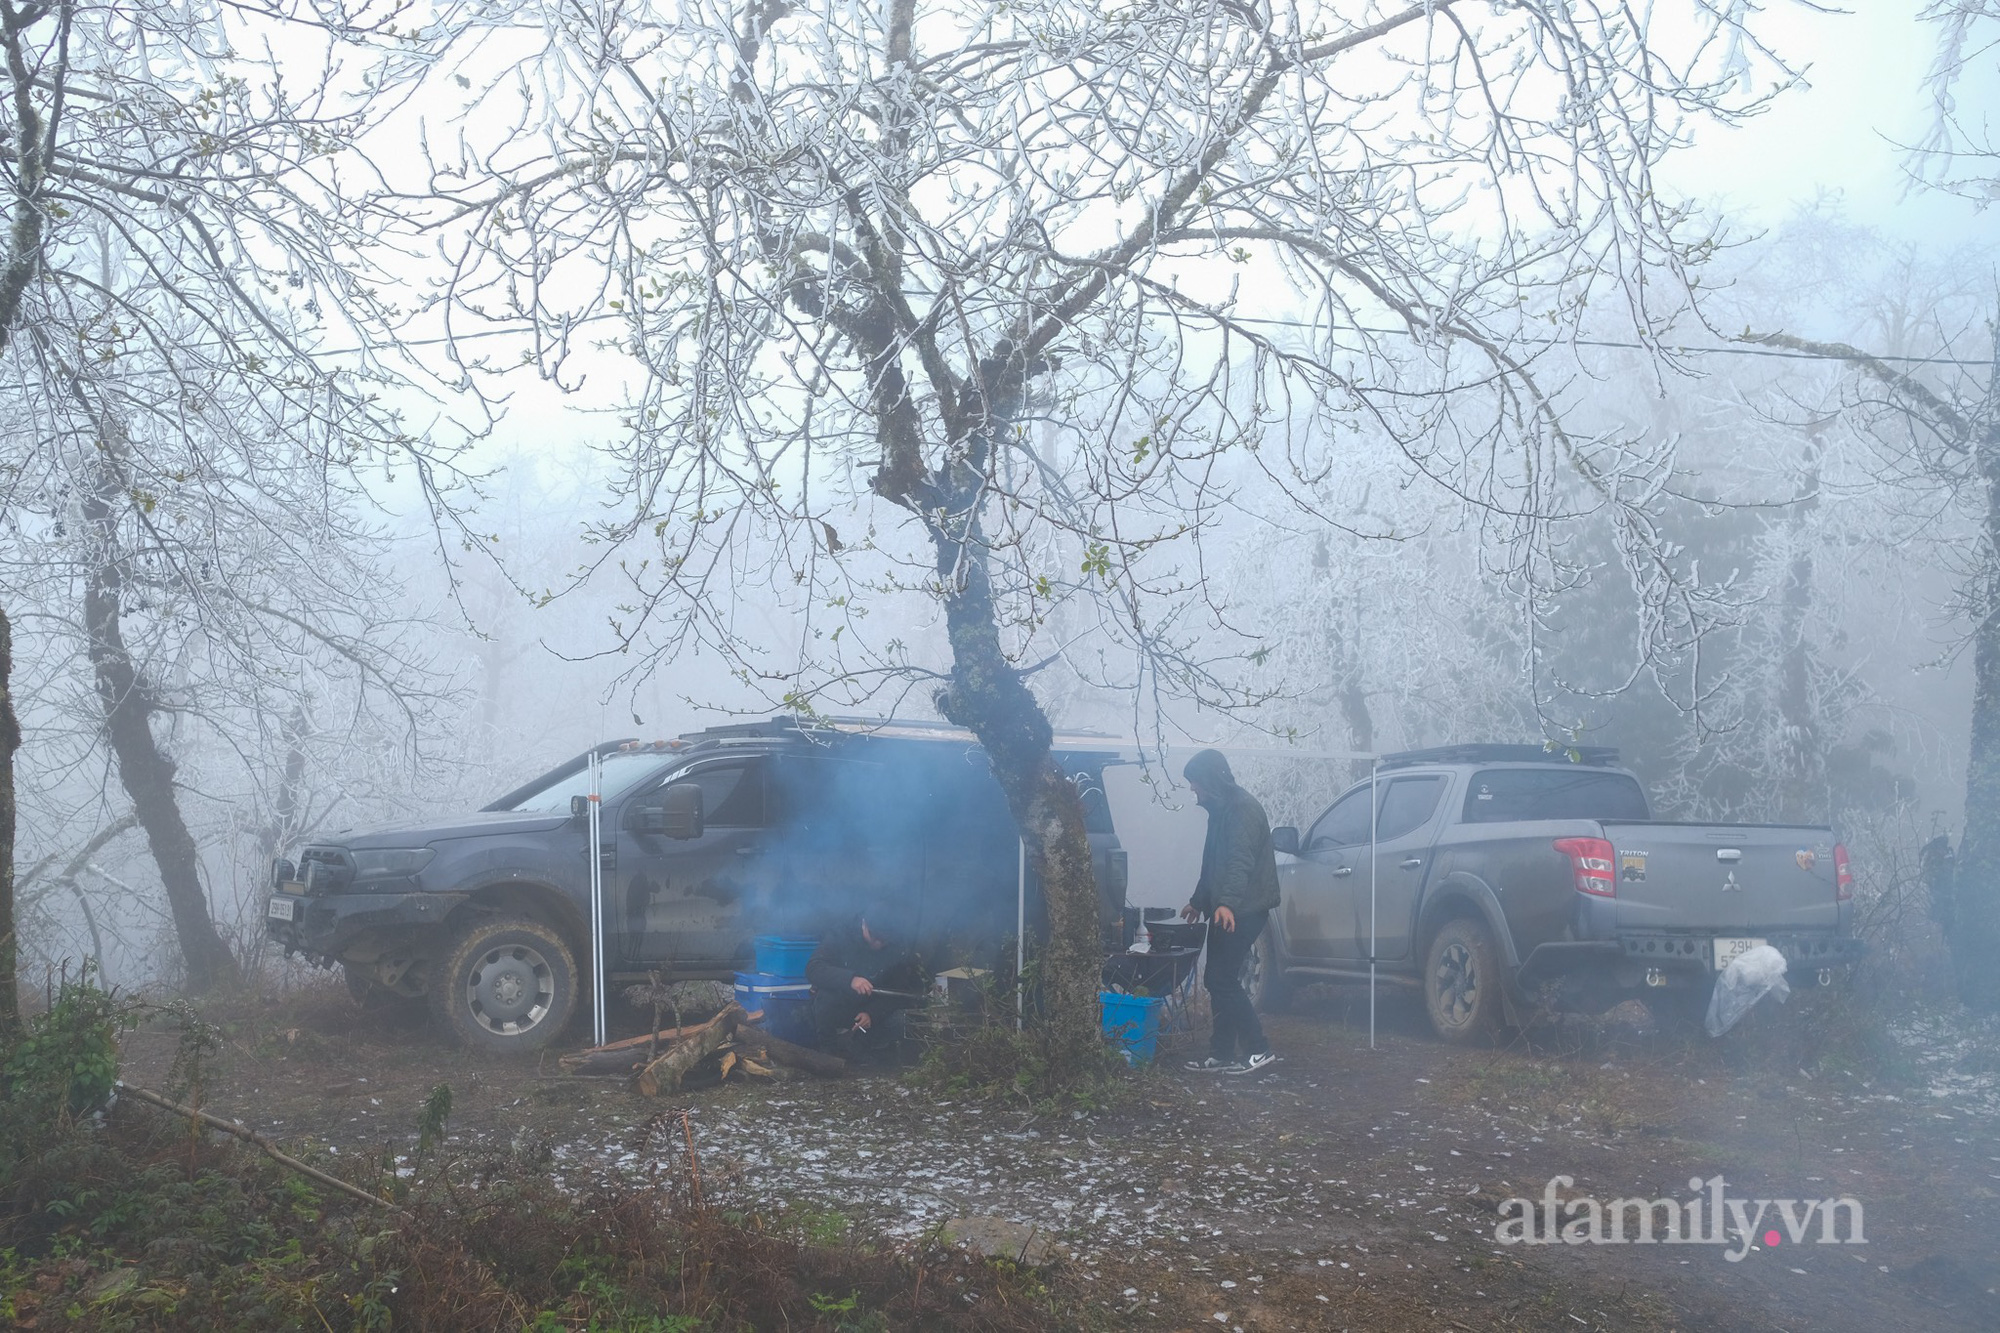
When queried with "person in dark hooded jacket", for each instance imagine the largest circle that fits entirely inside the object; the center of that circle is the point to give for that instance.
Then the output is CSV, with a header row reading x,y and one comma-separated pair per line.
x,y
1237,891
872,950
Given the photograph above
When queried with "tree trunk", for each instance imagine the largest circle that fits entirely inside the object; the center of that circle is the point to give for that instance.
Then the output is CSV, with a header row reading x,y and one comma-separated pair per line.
x,y
146,771
1360,724
18,269
1975,936
1345,656
1801,758
10,741
286,808
988,697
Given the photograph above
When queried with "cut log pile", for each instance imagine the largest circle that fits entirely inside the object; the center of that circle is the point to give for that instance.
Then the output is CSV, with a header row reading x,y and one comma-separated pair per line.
x,y
730,1045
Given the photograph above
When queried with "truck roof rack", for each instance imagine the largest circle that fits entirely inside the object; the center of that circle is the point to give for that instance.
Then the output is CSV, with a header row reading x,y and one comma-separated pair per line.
x,y
1597,756
883,728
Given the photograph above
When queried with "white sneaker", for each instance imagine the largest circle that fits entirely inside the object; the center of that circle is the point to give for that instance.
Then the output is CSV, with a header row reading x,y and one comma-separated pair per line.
x,y
1261,1060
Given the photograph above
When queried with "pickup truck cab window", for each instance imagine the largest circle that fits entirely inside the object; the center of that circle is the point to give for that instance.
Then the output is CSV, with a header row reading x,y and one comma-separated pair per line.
x,y
618,774
733,796
1408,804
1504,795
1345,825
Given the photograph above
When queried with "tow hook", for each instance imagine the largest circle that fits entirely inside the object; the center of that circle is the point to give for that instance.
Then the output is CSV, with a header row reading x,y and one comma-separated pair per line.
x,y
1655,977
1826,976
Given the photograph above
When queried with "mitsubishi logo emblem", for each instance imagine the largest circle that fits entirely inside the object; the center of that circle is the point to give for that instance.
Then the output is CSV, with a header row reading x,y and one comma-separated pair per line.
x,y
1729,885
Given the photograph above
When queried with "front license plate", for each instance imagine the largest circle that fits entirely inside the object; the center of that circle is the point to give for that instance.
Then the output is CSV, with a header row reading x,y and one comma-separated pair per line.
x,y
282,909
1729,948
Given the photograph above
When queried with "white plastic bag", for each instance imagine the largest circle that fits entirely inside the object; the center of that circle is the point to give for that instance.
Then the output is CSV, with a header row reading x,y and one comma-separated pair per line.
x,y
1748,978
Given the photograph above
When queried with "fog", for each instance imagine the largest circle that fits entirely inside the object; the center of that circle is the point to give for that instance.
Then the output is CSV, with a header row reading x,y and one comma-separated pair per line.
x,y
1358,604
402,401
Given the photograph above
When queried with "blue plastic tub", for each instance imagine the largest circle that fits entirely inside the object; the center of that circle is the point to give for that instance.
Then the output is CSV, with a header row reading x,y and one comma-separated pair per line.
x,y
786,1002
783,955
1133,1021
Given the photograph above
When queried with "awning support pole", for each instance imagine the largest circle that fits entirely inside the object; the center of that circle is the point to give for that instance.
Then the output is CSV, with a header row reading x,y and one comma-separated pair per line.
x,y
1020,936
597,899
1374,827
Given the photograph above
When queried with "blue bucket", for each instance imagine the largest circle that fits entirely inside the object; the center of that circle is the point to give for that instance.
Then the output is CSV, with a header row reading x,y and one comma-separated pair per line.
x,y
1133,1021
783,955
786,1002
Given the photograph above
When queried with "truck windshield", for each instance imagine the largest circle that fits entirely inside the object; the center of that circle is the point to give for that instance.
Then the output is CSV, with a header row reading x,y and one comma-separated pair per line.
x,y
620,772
1499,795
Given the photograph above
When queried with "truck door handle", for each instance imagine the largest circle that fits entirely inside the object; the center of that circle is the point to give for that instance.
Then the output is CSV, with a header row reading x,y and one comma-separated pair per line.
x,y
1342,872
748,851
1412,863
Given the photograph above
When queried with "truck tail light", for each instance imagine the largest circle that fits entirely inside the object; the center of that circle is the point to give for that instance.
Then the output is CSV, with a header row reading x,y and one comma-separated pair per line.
x,y
1591,860
1843,875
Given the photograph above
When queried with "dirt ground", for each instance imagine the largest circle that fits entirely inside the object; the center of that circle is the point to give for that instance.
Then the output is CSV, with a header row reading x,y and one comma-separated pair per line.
x,y
1349,1188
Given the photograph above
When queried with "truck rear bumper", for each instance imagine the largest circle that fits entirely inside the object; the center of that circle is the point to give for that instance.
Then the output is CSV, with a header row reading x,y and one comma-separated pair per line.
x,y
1804,952
1639,960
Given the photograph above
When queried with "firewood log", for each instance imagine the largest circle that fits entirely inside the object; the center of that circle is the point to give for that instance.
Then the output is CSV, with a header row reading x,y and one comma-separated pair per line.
x,y
798,1057
669,1069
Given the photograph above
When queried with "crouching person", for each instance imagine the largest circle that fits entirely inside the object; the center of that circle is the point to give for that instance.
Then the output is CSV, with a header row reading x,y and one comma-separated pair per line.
x,y
863,975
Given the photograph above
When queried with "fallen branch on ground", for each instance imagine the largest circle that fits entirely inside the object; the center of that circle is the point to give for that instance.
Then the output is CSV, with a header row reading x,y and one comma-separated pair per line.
x,y
627,1054
795,1056
669,1069
251,1136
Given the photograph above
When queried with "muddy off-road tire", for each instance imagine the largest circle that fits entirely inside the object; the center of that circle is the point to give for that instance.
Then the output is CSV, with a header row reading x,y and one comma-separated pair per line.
x,y
505,986
1462,983
1263,979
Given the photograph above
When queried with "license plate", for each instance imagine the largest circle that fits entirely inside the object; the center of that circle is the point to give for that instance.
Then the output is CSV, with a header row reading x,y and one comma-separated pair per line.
x,y
282,909
1728,949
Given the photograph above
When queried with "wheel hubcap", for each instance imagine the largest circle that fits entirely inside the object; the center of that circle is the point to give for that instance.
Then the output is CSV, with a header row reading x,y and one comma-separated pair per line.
x,y
1456,984
510,989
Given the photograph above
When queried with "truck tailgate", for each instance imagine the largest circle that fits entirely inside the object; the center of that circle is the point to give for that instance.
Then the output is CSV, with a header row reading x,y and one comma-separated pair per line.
x,y
1751,877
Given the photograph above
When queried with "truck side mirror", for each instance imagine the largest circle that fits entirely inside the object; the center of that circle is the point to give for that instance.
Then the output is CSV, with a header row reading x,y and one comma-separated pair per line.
x,y
1285,839
579,809
681,811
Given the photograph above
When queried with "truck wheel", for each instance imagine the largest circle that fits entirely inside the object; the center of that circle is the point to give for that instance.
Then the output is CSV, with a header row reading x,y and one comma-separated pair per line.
x,y
1462,982
1263,977
506,986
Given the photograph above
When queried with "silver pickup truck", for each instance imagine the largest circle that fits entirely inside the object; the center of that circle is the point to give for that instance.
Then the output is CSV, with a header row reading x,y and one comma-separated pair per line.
x,y
1504,880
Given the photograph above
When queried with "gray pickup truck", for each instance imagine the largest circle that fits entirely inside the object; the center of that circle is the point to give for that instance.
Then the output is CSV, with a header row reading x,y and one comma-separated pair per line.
x,y
1507,879
780,827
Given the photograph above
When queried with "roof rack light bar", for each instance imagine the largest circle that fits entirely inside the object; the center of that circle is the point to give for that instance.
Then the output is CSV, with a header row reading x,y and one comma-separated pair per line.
x,y
1596,756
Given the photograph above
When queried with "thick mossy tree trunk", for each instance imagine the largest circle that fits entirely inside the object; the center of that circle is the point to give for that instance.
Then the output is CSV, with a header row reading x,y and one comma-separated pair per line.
x,y
10,741
144,769
987,695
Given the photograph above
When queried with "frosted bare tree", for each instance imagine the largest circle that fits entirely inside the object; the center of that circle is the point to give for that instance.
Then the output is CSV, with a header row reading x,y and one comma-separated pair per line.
x,y
1926,392
1961,152
179,260
968,300
1936,431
